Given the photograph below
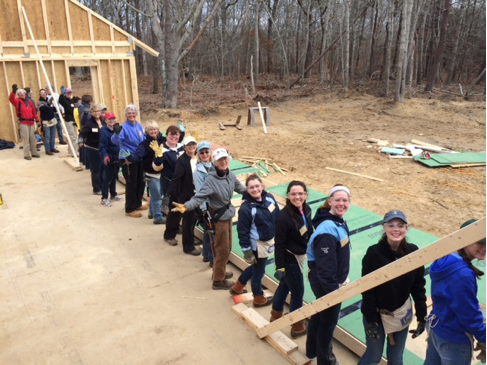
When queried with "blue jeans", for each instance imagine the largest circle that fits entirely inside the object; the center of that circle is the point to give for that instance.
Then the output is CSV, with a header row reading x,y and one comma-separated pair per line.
x,y
59,128
96,164
442,352
293,282
110,173
206,246
49,138
155,198
256,273
373,353
320,331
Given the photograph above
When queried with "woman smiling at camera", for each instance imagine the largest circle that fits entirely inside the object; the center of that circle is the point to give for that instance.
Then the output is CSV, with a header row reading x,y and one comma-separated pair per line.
x,y
387,308
329,262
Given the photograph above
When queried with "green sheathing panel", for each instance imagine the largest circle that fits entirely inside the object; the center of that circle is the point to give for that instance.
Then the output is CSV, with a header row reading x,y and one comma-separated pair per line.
x,y
455,158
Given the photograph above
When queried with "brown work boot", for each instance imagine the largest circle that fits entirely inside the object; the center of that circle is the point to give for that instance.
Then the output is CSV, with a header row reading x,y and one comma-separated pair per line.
x,y
142,207
275,315
262,301
238,288
223,284
134,214
298,329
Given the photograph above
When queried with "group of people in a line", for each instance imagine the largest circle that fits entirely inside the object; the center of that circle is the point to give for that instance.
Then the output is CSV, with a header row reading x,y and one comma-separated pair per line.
x,y
196,182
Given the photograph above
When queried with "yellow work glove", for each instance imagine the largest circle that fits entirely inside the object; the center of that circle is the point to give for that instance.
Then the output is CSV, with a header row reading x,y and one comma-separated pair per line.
x,y
156,148
179,208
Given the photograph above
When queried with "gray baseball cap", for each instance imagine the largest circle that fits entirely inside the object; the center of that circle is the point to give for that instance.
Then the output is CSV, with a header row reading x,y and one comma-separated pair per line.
x,y
395,214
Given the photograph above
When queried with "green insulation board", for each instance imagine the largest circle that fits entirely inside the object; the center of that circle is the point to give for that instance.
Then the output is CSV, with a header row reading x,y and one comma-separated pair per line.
x,y
447,159
365,230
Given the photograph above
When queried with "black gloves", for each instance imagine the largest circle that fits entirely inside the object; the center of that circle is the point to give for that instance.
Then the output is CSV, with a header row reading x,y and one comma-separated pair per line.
x,y
117,128
14,88
419,330
372,330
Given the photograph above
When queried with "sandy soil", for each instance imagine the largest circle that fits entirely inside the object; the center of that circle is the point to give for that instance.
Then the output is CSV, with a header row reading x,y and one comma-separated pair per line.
x,y
314,129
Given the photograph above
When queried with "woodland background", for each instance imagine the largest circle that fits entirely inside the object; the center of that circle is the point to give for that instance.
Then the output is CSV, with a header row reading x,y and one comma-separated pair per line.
x,y
337,44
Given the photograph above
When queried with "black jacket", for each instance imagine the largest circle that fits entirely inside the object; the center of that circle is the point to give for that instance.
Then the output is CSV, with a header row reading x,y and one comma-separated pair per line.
x,y
181,187
288,237
90,133
145,154
393,294
68,106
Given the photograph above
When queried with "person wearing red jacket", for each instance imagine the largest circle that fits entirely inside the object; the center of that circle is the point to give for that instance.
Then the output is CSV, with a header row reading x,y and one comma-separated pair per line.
x,y
26,112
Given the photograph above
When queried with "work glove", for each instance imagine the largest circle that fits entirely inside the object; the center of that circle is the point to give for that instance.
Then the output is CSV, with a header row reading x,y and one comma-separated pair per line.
x,y
249,257
372,330
280,274
106,160
63,90
419,330
14,88
181,126
117,128
480,347
124,154
156,148
179,208
165,205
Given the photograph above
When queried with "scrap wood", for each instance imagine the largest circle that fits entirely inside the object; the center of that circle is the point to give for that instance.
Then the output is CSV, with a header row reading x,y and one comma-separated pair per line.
x,y
353,173
467,165
426,144
278,168
399,156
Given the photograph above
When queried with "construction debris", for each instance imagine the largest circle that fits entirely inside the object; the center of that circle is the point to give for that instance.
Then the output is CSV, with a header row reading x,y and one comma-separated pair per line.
x,y
263,165
236,124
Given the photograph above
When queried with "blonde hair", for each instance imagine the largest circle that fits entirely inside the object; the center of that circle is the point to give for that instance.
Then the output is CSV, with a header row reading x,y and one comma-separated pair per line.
x,y
150,124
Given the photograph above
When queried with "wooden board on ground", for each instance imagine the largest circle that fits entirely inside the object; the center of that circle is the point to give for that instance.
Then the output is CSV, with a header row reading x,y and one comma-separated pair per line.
x,y
75,165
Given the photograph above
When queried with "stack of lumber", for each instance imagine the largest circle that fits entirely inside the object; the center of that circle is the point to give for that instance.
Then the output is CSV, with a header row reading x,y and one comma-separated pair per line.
x,y
264,166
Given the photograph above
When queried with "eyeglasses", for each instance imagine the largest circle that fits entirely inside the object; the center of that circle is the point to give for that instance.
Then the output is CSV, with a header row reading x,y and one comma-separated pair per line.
x,y
297,194
396,225
204,152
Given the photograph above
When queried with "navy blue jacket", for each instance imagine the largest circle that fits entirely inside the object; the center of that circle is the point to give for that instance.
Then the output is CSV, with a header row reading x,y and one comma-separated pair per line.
x,y
106,146
181,187
328,251
169,159
256,220
145,154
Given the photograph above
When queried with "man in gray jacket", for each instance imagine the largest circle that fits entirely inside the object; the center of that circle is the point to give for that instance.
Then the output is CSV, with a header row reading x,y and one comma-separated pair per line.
x,y
218,189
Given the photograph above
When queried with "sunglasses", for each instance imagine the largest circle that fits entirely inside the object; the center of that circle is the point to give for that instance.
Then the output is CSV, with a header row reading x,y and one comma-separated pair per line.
x,y
204,152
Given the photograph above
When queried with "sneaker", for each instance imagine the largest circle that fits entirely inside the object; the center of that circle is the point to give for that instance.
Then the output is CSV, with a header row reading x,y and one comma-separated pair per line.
x,y
63,142
195,252
55,150
160,221
106,203
97,192
134,214
150,215
224,284
116,198
171,242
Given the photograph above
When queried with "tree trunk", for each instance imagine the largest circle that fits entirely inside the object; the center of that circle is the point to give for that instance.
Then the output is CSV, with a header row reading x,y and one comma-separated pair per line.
x,y
401,59
346,50
432,71
256,35
390,37
454,56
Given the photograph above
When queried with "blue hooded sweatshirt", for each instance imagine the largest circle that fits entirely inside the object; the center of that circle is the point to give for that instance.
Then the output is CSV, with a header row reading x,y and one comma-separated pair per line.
x,y
455,303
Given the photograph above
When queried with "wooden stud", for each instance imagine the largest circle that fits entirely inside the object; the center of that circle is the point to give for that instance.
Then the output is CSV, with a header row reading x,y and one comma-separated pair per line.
x,y
426,144
92,35
353,173
112,38
459,165
22,28
11,108
22,77
124,84
262,117
133,77
68,21
110,82
46,26
440,248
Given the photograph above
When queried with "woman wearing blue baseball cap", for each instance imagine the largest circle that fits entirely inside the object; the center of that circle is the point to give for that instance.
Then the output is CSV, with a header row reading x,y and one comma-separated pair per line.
x,y
456,318
387,308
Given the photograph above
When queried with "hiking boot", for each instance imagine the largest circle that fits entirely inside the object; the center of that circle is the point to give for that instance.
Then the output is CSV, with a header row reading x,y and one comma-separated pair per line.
x,y
262,301
55,150
275,315
224,284
159,221
106,203
298,329
238,288
142,207
195,252
50,153
134,214
171,241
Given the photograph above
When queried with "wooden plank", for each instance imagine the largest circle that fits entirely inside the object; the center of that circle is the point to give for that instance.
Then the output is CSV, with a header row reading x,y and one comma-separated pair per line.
x,y
46,26
92,34
133,79
353,173
74,164
262,117
22,27
426,144
124,85
400,156
440,248
459,165
68,21
112,38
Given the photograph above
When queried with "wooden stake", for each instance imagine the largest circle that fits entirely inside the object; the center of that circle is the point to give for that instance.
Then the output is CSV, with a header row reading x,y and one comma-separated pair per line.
x,y
262,117
353,173
446,245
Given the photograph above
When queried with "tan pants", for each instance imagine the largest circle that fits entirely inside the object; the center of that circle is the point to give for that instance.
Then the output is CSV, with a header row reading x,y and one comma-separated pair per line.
x,y
223,247
28,139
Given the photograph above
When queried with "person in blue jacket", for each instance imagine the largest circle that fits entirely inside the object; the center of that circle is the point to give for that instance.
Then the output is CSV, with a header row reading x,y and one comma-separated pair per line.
x,y
456,318
329,263
256,228
109,154
128,136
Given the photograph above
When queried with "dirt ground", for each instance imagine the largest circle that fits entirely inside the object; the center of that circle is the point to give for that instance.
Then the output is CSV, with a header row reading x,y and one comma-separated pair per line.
x,y
315,129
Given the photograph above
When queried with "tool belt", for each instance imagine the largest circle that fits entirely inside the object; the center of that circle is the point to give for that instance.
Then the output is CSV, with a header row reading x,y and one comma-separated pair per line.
x,y
26,120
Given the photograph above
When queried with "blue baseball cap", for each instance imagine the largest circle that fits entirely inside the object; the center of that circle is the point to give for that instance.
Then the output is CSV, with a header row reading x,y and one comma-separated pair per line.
x,y
394,214
203,145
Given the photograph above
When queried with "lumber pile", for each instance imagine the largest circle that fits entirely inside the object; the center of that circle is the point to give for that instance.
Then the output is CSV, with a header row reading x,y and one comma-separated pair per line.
x,y
264,166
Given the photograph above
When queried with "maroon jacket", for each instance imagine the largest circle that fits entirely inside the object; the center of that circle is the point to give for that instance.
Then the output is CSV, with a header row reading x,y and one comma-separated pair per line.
x,y
26,113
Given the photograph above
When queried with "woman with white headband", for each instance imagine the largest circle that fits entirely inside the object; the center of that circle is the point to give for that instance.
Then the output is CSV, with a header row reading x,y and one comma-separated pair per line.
x,y
329,263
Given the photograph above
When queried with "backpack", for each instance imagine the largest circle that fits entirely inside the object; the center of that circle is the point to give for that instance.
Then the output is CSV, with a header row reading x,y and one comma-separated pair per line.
x,y
84,114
